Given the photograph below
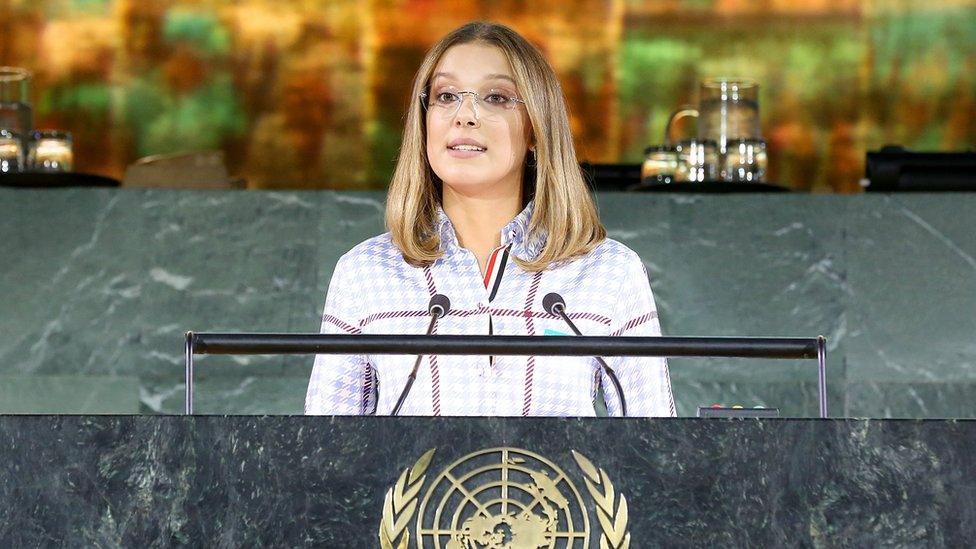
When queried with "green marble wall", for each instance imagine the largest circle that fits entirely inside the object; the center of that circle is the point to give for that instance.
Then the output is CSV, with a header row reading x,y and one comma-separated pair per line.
x,y
98,287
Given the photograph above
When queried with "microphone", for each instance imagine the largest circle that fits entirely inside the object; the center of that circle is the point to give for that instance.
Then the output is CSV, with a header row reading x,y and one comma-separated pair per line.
x,y
438,307
554,304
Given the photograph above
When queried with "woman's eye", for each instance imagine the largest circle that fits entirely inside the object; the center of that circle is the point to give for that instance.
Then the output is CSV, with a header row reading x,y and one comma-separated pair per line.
x,y
496,98
445,98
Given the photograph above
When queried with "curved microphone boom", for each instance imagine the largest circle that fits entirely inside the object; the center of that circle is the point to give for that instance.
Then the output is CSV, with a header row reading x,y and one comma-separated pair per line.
x,y
438,307
554,304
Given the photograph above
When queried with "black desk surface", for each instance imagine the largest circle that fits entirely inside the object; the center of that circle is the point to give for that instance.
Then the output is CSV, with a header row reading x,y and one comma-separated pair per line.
x,y
56,180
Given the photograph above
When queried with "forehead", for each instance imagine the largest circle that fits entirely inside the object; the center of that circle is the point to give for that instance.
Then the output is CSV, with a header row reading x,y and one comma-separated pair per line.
x,y
473,64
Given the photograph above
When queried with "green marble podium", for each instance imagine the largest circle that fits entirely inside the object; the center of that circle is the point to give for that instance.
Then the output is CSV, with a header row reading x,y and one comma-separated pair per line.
x,y
292,481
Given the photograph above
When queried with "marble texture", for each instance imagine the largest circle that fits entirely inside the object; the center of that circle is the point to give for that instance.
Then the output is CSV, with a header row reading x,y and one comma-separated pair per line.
x,y
137,481
100,284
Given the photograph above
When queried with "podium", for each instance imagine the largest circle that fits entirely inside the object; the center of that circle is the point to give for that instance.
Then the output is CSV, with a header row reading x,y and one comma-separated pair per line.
x,y
340,481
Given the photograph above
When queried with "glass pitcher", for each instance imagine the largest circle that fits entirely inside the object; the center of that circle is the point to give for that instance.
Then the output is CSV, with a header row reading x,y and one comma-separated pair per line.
x,y
728,110
16,115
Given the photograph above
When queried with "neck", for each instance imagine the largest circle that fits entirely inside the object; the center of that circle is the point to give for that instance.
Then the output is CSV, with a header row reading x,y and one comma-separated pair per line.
x,y
478,221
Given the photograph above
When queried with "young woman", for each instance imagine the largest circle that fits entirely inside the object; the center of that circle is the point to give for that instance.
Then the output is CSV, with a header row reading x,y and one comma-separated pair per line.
x,y
488,207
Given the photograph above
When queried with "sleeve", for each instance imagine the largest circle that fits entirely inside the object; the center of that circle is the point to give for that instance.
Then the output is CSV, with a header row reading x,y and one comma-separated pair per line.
x,y
341,384
645,381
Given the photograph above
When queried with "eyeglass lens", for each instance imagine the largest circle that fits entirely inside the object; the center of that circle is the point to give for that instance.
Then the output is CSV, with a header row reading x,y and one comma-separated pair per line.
x,y
447,100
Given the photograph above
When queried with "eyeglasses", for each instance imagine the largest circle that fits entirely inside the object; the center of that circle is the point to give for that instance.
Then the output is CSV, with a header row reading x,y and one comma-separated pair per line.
x,y
446,101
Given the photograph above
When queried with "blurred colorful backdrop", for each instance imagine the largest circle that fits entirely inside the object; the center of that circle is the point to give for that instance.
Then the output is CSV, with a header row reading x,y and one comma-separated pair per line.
x,y
311,93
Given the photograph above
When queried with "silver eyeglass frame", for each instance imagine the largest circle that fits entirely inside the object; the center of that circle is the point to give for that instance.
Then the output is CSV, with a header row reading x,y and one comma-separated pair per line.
x,y
476,97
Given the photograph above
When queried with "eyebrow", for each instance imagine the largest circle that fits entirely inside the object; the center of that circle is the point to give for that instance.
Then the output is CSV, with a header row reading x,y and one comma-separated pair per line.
x,y
487,76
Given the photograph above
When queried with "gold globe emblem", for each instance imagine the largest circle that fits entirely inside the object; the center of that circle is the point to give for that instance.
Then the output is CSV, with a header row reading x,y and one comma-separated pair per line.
x,y
502,498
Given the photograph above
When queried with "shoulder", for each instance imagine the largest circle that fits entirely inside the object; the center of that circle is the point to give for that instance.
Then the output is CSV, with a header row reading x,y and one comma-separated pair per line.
x,y
617,250
374,257
611,255
608,269
378,249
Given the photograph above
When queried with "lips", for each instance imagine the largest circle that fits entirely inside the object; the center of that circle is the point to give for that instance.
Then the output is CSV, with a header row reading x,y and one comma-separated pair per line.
x,y
466,144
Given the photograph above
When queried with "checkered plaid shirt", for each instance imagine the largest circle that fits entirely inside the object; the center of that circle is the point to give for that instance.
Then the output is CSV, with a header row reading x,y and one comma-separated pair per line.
x,y
374,291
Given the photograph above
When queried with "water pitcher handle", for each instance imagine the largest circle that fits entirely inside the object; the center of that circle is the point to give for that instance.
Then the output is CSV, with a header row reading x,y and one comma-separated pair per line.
x,y
682,112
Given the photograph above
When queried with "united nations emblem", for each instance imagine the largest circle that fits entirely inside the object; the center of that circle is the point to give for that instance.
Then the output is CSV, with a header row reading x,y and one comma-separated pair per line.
x,y
502,498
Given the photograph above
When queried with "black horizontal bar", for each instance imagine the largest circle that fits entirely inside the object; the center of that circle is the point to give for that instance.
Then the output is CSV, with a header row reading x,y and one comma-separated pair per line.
x,y
740,347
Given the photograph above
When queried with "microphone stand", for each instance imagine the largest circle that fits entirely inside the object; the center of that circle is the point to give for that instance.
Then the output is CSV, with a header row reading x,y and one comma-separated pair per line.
x,y
559,308
438,308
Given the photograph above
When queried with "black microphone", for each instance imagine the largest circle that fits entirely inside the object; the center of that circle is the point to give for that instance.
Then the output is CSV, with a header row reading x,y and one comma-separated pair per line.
x,y
554,304
438,307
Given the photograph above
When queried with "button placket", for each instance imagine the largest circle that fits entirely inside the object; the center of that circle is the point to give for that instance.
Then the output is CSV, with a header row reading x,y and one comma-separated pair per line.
x,y
485,369
490,370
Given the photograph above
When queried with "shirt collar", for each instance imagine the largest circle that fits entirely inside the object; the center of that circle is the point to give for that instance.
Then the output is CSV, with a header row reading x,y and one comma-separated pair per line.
x,y
525,245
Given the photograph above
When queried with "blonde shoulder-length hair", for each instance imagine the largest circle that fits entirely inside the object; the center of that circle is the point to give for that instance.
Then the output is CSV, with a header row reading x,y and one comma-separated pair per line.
x,y
564,208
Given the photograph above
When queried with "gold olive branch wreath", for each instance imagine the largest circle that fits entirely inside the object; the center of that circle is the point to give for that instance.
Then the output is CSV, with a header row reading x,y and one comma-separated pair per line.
x,y
613,522
401,503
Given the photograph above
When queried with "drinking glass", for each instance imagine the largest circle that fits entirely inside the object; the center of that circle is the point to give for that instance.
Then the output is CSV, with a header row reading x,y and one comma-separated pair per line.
x,y
50,151
745,160
11,152
697,161
660,165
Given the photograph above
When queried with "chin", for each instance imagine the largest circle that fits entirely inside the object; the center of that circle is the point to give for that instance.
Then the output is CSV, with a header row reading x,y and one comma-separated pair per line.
x,y
466,176
466,183
462,176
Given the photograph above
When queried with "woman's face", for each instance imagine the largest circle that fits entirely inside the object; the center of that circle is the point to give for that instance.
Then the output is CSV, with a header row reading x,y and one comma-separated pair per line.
x,y
475,148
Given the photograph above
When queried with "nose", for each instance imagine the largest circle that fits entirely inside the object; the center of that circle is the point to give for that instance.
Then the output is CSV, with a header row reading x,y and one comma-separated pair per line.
x,y
467,116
